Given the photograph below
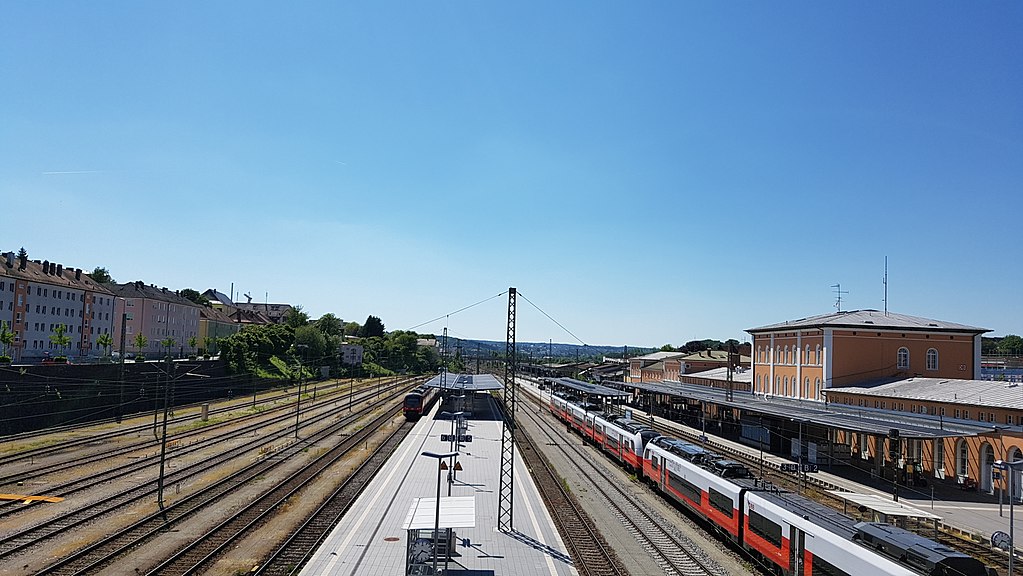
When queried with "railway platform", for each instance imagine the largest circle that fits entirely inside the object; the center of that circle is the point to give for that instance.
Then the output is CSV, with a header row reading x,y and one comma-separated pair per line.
x,y
373,537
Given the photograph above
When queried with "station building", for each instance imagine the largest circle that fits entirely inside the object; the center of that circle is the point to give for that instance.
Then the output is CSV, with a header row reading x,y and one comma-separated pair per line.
x,y
902,368
803,358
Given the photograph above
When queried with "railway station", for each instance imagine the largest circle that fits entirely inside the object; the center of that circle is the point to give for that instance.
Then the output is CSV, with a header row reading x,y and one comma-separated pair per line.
x,y
435,508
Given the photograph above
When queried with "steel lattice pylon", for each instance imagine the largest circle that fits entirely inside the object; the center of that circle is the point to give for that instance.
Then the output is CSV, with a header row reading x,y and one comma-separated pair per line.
x,y
504,500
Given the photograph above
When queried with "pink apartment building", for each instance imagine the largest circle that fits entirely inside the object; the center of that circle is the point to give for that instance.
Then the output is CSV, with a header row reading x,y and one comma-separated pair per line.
x,y
157,314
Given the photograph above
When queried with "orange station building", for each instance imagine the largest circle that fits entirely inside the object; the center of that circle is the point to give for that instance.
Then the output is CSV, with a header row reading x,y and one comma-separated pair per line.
x,y
894,363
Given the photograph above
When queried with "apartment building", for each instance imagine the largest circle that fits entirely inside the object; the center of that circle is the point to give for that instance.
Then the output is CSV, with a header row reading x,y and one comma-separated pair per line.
x,y
36,297
157,314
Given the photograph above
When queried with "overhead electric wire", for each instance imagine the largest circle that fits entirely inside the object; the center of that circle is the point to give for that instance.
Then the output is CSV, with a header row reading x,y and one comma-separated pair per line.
x,y
552,319
443,316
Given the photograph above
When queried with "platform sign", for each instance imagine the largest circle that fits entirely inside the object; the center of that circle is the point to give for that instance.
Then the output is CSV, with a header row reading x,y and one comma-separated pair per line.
x,y
810,468
789,467
456,438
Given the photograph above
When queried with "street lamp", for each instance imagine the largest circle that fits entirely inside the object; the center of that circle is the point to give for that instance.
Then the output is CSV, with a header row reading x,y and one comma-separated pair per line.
x,y
436,519
1012,468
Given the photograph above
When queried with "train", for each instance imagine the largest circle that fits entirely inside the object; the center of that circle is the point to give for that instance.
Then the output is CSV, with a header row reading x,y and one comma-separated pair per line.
x,y
418,402
791,534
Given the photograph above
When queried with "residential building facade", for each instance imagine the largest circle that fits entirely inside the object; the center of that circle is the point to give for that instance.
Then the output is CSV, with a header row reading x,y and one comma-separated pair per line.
x,y
36,297
157,314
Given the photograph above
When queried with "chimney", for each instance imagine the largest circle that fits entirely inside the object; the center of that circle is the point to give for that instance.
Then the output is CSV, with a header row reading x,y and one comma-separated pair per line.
x,y
24,262
53,268
10,259
46,266
78,273
164,289
60,269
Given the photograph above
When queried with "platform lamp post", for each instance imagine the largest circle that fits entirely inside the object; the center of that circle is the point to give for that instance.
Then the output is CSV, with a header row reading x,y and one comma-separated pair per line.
x,y
454,442
1011,468
441,466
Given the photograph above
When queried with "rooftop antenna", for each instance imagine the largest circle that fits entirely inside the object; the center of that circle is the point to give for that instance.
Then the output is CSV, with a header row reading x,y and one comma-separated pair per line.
x,y
838,294
886,286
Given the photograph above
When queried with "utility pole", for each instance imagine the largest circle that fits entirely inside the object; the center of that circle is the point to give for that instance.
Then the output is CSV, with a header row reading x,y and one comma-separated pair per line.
x,y
124,330
506,487
163,443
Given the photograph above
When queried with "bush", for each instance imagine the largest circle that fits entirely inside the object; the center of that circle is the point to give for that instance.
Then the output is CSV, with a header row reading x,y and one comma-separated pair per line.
x,y
140,358
5,359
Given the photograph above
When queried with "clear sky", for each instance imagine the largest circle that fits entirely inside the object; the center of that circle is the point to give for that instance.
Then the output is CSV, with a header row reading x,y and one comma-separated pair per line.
x,y
644,172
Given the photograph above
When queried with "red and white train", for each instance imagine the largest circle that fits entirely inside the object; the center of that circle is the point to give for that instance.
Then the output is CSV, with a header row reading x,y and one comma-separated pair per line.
x,y
793,535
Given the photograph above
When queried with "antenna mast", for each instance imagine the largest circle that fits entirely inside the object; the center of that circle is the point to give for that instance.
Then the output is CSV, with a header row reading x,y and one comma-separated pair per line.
x,y
838,294
885,285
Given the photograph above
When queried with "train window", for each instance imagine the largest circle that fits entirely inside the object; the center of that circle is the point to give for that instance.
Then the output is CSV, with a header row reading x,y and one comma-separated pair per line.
x,y
721,502
765,528
821,567
687,489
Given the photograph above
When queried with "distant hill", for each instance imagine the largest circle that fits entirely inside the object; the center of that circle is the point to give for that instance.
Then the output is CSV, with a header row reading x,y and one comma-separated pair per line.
x,y
539,350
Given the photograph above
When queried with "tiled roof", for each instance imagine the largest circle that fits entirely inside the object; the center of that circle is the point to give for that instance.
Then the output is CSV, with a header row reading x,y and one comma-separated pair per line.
x,y
141,290
993,393
33,272
870,319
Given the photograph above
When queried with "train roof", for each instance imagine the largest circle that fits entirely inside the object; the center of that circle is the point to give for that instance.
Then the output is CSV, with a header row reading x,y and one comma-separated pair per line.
x,y
815,512
909,541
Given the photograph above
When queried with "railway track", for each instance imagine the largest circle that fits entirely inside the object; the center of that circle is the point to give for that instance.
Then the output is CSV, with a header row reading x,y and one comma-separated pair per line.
x,y
32,537
106,453
103,553
51,448
590,552
302,542
676,554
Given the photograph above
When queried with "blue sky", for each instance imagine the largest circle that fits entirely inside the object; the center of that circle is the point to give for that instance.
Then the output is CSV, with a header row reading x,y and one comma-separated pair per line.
x,y
643,172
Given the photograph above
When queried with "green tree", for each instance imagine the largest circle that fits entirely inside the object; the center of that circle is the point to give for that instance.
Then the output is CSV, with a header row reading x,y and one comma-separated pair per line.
x,y
60,338
193,341
195,297
352,328
105,341
140,343
6,338
667,348
101,275
373,327
1011,345
295,317
168,343
330,325
315,343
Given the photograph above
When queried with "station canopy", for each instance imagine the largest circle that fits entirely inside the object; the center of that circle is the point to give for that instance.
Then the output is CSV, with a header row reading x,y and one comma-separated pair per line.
x,y
465,382
587,388
884,505
455,512
840,416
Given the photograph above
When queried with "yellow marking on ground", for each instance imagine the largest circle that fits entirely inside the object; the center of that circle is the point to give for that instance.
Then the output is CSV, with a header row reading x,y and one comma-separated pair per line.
x,y
30,499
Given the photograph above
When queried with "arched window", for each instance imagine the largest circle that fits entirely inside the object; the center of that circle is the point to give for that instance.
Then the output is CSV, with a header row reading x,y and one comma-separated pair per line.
x,y
962,458
932,359
939,458
785,386
778,358
817,388
818,354
777,385
805,392
760,355
786,358
903,359
806,358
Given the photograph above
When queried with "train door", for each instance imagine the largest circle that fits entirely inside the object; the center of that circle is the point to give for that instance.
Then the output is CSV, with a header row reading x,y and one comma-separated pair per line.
x,y
797,540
